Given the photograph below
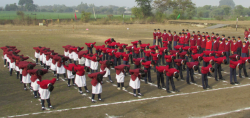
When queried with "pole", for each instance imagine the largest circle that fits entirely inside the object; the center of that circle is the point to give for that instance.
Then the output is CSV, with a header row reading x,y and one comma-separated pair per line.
x,y
94,12
237,24
123,18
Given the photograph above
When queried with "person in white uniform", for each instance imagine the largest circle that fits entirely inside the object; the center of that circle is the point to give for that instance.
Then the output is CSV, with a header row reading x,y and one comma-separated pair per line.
x,y
120,70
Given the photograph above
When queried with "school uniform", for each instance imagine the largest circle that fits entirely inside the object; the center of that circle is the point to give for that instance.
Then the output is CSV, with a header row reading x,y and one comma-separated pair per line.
x,y
147,55
169,59
134,43
155,58
137,62
206,62
125,58
105,54
35,78
239,46
217,68
159,38
227,50
162,52
175,40
81,58
233,67
122,46
136,52
70,74
190,71
25,75
60,67
209,45
44,91
94,62
205,71
169,77
108,41
144,47
221,46
170,39
111,53
80,78
96,85
120,75
106,68
147,67
234,47
98,49
154,37
160,76
182,55
178,66
134,82
66,50
244,51
37,51
244,60
192,42
186,41
203,45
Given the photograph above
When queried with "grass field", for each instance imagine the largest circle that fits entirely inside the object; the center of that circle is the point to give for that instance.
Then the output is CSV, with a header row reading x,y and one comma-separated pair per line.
x,y
224,100
10,15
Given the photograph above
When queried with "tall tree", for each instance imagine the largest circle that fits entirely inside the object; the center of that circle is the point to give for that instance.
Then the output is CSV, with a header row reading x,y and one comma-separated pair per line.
x,y
121,10
145,6
226,9
28,4
227,2
239,9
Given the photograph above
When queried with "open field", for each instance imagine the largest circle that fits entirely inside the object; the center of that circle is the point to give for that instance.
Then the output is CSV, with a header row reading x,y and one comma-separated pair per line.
x,y
192,101
11,15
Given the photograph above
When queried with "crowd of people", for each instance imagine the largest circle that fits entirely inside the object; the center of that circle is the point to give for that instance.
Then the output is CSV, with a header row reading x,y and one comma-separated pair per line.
x,y
169,56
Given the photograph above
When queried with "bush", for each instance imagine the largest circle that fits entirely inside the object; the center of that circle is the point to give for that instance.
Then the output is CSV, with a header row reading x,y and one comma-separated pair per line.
x,y
218,17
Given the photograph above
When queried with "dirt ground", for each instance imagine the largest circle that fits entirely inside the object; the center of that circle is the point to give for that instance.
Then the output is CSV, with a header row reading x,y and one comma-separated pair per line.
x,y
192,101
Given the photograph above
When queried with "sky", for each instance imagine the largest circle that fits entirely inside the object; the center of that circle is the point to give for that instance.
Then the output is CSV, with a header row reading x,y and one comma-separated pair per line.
x,y
121,3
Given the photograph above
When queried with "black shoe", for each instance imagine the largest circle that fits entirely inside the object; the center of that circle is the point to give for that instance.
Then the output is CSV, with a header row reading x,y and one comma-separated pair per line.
x,y
222,70
240,76
237,83
139,94
159,87
194,82
150,81
163,86
210,75
246,76
216,80
205,88
168,91
188,83
176,90
209,87
232,83
222,79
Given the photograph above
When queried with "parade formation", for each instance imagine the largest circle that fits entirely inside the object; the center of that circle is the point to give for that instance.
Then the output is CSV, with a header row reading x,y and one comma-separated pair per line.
x,y
169,56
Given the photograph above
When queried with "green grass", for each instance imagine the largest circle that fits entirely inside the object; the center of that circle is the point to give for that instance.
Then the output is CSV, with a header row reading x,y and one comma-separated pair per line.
x,y
10,15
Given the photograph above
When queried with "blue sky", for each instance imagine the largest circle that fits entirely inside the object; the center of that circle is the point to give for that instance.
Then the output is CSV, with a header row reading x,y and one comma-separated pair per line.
x,y
121,3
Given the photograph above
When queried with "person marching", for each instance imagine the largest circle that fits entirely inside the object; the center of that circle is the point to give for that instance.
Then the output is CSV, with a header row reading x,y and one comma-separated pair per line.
x,y
36,75
46,87
134,82
120,75
80,78
70,74
96,84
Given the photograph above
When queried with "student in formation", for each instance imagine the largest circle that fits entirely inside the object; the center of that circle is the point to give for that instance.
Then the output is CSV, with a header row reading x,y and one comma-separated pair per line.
x,y
120,75
136,75
80,78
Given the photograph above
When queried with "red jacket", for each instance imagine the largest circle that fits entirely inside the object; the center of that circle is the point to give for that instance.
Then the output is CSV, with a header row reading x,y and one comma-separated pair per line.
x,y
246,33
121,45
120,68
216,45
111,51
161,68
155,56
159,35
138,61
196,56
234,47
192,64
244,49
165,43
175,37
208,59
69,67
188,34
135,43
44,84
207,53
114,44
234,64
147,53
34,76
164,36
135,73
218,53
170,37
233,57
186,39
162,50
239,43
143,46
178,62
199,41
170,72
203,43
174,52
146,64
244,59
154,35
177,47
98,48
218,38
125,57
129,48
118,54
182,40
93,76
205,70
194,49
220,60
137,50
90,44
192,42
152,48
169,58
227,46
207,37
183,54
103,64
221,46
209,45
108,41
186,48
104,50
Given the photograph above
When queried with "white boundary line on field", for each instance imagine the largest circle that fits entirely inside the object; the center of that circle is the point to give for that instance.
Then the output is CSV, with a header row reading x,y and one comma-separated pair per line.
x,y
131,101
31,58
225,113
